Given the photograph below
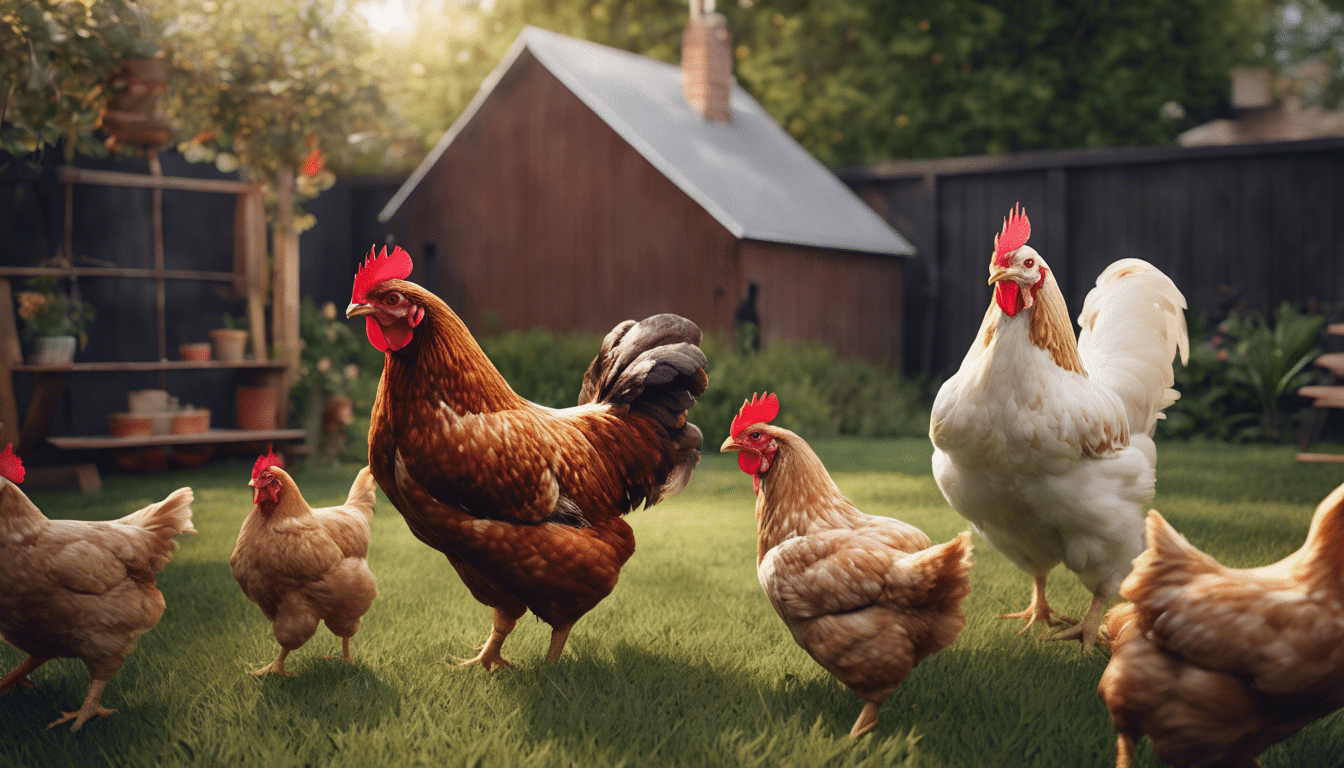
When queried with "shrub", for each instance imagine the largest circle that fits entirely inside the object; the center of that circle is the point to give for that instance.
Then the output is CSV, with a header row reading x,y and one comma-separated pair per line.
x,y
1241,381
822,395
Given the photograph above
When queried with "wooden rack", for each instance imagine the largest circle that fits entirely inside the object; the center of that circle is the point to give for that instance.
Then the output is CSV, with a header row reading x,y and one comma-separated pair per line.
x,y
249,276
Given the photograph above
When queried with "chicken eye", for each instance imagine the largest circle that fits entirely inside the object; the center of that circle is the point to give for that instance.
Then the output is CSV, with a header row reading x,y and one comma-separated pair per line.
x,y
392,299
1029,263
755,435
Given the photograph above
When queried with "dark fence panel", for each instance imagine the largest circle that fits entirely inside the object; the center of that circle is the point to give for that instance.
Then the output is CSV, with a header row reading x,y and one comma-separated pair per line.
x,y
1251,225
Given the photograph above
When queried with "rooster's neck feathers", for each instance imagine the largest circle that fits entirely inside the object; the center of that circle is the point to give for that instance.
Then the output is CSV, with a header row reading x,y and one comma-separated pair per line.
x,y
1050,329
444,363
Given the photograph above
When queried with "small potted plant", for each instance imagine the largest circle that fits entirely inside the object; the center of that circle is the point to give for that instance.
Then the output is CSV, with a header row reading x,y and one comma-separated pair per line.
x,y
333,374
54,321
229,342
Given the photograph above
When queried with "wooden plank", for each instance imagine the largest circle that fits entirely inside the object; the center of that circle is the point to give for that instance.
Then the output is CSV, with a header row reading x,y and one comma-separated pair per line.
x,y
1321,458
1333,362
147,365
165,274
98,442
10,355
71,175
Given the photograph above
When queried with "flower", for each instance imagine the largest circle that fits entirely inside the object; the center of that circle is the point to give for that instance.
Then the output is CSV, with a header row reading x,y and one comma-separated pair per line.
x,y
47,310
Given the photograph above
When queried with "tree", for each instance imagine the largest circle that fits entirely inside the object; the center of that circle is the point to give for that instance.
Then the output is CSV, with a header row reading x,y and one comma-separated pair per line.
x,y
870,80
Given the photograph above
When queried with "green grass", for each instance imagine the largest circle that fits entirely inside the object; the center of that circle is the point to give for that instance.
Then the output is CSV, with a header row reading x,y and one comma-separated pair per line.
x,y
685,663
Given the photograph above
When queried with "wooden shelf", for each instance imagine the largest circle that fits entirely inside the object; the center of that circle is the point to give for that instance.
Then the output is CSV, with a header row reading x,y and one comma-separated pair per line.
x,y
149,365
96,442
166,274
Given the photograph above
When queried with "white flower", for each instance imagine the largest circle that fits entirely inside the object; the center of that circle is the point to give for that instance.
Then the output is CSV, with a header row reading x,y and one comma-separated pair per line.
x,y
227,162
1172,111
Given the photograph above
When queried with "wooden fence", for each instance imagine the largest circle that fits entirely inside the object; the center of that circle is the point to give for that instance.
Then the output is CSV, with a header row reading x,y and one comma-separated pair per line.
x,y
1249,225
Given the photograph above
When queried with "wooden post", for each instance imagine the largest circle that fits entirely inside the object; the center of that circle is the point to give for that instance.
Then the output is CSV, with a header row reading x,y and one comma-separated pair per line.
x,y
285,290
10,354
250,265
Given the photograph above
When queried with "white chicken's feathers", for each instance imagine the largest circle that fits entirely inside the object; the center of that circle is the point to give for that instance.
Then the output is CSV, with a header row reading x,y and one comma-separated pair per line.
x,y
1133,324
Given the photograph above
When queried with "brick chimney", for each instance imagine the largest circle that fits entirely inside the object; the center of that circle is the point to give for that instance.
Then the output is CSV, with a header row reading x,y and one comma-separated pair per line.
x,y
707,63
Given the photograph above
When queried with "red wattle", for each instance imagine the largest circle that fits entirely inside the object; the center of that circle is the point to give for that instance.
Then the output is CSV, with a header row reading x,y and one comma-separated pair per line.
x,y
386,338
748,462
1009,297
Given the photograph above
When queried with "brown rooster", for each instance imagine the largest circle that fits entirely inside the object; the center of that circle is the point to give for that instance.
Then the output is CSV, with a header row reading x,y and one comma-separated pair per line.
x,y
301,565
867,597
525,501
1217,664
86,589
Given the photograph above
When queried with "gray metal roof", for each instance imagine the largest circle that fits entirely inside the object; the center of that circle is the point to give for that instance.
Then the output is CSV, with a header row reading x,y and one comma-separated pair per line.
x,y
749,174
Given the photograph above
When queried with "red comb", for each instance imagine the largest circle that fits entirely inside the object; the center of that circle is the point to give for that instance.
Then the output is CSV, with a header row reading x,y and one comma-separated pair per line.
x,y
11,466
755,411
1016,230
266,462
380,267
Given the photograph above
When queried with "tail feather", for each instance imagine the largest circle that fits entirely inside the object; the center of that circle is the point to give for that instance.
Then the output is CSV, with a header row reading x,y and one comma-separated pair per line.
x,y
363,494
1325,539
162,521
1170,561
655,367
1133,325
943,572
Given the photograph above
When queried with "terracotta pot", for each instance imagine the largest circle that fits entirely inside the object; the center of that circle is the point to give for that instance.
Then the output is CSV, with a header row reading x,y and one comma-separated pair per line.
x,y
258,407
198,350
192,421
130,424
229,344
52,350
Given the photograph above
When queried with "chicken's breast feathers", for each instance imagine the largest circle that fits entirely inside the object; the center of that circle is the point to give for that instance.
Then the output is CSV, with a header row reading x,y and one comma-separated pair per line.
x,y
1254,623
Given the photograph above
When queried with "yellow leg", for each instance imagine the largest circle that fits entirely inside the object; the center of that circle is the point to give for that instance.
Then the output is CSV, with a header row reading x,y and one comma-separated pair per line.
x,y
88,710
489,656
1039,610
867,721
1088,629
1124,751
558,637
276,667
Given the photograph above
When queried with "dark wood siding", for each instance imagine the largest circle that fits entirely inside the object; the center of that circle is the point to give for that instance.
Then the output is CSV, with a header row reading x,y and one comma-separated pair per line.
x,y
1262,222
850,300
541,215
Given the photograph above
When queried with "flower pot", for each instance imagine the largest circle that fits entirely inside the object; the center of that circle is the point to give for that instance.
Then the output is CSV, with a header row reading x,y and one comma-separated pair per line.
x,y
258,407
53,350
229,344
190,422
199,351
130,424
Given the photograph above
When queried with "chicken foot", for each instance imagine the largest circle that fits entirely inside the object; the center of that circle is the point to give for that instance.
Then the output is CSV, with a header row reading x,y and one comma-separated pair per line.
x,y
489,656
275,667
89,709
19,677
1039,610
867,721
1088,630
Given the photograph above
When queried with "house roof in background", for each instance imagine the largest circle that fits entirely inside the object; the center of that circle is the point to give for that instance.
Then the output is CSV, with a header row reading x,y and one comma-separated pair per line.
x,y
749,174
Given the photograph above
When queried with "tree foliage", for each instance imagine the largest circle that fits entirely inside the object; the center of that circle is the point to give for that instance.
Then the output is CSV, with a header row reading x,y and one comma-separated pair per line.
x,y
869,80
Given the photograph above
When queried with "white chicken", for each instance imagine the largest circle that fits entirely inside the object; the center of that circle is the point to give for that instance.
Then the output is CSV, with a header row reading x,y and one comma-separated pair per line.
x,y
1043,442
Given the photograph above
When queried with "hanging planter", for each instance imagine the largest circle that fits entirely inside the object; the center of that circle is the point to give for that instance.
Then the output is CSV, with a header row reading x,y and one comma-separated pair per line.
x,y
132,115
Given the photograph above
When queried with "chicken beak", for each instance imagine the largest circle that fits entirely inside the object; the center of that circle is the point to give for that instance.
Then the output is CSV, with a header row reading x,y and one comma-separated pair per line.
x,y
729,445
355,310
998,274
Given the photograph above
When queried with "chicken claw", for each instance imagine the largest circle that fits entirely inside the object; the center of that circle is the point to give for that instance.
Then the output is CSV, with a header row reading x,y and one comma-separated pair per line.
x,y
489,656
88,710
1039,610
276,667
18,678
1088,631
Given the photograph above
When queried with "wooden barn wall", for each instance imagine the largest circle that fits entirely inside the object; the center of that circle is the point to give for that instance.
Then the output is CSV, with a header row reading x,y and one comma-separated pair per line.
x,y
1253,226
851,301
540,215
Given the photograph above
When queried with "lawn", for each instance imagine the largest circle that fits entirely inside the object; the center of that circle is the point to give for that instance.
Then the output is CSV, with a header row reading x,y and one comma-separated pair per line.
x,y
685,663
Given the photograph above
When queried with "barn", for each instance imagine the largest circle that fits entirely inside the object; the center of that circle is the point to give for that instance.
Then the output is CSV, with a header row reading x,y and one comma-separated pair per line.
x,y
584,185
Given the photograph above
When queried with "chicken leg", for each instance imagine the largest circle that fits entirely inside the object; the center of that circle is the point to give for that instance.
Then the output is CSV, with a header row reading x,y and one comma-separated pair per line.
x,y
1088,629
867,721
89,709
1039,609
489,656
19,677
558,637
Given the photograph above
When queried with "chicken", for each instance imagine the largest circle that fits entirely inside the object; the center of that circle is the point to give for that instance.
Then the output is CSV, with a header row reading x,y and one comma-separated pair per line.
x,y
867,597
1216,664
1043,442
302,565
81,589
526,502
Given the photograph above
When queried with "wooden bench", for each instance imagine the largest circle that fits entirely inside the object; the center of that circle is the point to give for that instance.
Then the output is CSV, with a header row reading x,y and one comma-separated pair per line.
x,y
1324,396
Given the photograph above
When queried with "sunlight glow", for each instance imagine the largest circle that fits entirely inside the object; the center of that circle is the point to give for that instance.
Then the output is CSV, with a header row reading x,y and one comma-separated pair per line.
x,y
384,15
